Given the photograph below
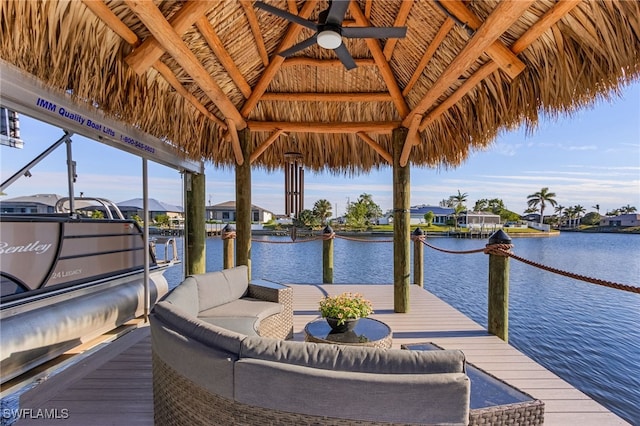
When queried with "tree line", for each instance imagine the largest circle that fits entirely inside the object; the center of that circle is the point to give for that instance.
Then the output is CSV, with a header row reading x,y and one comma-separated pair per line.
x,y
364,212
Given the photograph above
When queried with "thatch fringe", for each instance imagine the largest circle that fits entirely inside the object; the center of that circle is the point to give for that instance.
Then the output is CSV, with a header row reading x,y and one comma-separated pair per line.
x,y
587,57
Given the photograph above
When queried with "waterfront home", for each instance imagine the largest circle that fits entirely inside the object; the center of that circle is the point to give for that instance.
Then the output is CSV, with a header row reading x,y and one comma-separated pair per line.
x,y
38,203
226,212
630,219
135,207
440,214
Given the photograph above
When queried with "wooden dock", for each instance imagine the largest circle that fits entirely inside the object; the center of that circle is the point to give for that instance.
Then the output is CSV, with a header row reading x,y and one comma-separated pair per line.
x,y
112,386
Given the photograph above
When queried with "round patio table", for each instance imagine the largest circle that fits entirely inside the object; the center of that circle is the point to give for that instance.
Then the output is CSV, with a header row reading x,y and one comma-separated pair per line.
x,y
368,332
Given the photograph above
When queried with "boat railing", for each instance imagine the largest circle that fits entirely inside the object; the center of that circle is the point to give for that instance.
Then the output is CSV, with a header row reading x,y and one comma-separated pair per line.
x,y
62,206
170,249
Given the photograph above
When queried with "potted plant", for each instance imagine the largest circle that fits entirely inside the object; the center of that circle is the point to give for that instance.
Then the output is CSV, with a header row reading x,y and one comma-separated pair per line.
x,y
342,312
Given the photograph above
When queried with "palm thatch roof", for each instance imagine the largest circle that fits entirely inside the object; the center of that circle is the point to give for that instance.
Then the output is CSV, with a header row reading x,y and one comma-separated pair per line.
x,y
197,73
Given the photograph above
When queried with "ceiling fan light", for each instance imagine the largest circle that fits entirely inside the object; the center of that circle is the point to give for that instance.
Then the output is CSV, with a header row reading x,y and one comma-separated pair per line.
x,y
329,39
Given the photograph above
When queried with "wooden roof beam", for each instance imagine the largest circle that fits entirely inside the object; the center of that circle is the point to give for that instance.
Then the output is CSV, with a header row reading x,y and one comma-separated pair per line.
x,y
266,144
501,19
155,22
383,64
273,67
112,21
505,58
214,42
255,30
413,139
142,58
547,21
435,43
315,62
170,77
375,127
328,97
401,19
376,147
103,12
232,134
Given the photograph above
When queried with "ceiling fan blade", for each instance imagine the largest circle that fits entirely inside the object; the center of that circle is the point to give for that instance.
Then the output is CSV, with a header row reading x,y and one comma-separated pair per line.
x,y
300,46
345,57
374,32
337,10
286,15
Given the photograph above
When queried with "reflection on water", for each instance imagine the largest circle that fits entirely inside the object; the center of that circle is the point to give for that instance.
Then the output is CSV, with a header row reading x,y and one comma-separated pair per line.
x,y
587,334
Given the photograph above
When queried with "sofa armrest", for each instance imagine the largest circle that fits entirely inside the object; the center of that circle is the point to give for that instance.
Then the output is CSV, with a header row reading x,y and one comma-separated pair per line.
x,y
279,326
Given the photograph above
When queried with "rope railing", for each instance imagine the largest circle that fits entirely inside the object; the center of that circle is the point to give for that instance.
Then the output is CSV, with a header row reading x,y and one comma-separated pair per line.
x,y
504,250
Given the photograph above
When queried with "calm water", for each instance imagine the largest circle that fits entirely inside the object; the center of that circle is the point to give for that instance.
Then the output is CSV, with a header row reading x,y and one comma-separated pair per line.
x,y
587,334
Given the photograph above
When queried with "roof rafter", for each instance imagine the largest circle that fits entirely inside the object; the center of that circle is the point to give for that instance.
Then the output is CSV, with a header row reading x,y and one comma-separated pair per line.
x,y
376,147
145,55
501,19
112,21
255,30
214,42
266,144
328,97
401,19
273,67
385,69
428,54
505,58
547,21
376,127
155,22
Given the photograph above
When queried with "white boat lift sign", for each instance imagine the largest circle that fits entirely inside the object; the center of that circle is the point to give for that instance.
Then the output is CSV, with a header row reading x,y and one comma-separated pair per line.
x,y
22,92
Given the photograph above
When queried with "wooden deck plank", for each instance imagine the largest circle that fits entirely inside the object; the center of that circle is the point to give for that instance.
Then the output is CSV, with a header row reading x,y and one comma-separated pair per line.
x,y
114,387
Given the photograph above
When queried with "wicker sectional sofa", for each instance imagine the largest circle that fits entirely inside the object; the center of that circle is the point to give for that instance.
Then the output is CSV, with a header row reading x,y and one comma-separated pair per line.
x,y
220,371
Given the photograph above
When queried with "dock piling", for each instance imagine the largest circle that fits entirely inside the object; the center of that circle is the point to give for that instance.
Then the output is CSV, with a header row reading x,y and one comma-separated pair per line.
x,y
327,255
228,246
498,309
418,257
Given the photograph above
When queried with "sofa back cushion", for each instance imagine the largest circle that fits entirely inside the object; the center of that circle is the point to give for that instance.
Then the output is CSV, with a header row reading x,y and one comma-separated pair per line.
x,y
353,358
398,398
217,288
185,296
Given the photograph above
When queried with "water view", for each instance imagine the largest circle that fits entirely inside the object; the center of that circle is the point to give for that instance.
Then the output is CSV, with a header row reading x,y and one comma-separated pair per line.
x,y
585,333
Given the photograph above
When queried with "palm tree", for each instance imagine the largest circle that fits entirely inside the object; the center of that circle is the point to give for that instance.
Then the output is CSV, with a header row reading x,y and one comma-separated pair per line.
x,y
460,198
627,209
570,215
597,207
541,198
558,211
578,210
322,210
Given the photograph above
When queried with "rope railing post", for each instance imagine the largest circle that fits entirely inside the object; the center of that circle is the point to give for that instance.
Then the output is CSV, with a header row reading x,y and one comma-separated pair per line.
x,y
498,309
228,238
418,257
327,255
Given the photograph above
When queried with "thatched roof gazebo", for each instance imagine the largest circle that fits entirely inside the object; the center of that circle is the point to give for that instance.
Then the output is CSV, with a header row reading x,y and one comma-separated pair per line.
x,y
206,76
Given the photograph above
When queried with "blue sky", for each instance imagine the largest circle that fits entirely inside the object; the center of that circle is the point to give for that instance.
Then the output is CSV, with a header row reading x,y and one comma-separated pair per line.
x,y
591,157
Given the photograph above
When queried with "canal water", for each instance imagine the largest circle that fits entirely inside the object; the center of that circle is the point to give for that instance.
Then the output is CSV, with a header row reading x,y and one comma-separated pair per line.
x,y
587,334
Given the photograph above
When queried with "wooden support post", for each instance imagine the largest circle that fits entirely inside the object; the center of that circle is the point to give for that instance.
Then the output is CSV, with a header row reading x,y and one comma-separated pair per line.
x,y
401,246
418,257
243,203
228,235
498,310
327,255
195,262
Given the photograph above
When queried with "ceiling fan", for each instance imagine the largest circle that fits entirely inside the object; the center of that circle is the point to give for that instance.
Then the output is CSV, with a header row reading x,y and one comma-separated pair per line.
x,y
329,30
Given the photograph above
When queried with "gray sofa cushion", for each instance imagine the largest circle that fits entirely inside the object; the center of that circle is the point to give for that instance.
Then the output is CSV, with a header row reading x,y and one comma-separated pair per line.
x,y
177,319
217,288
185,296
352,358
242,325
410,398
210,367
